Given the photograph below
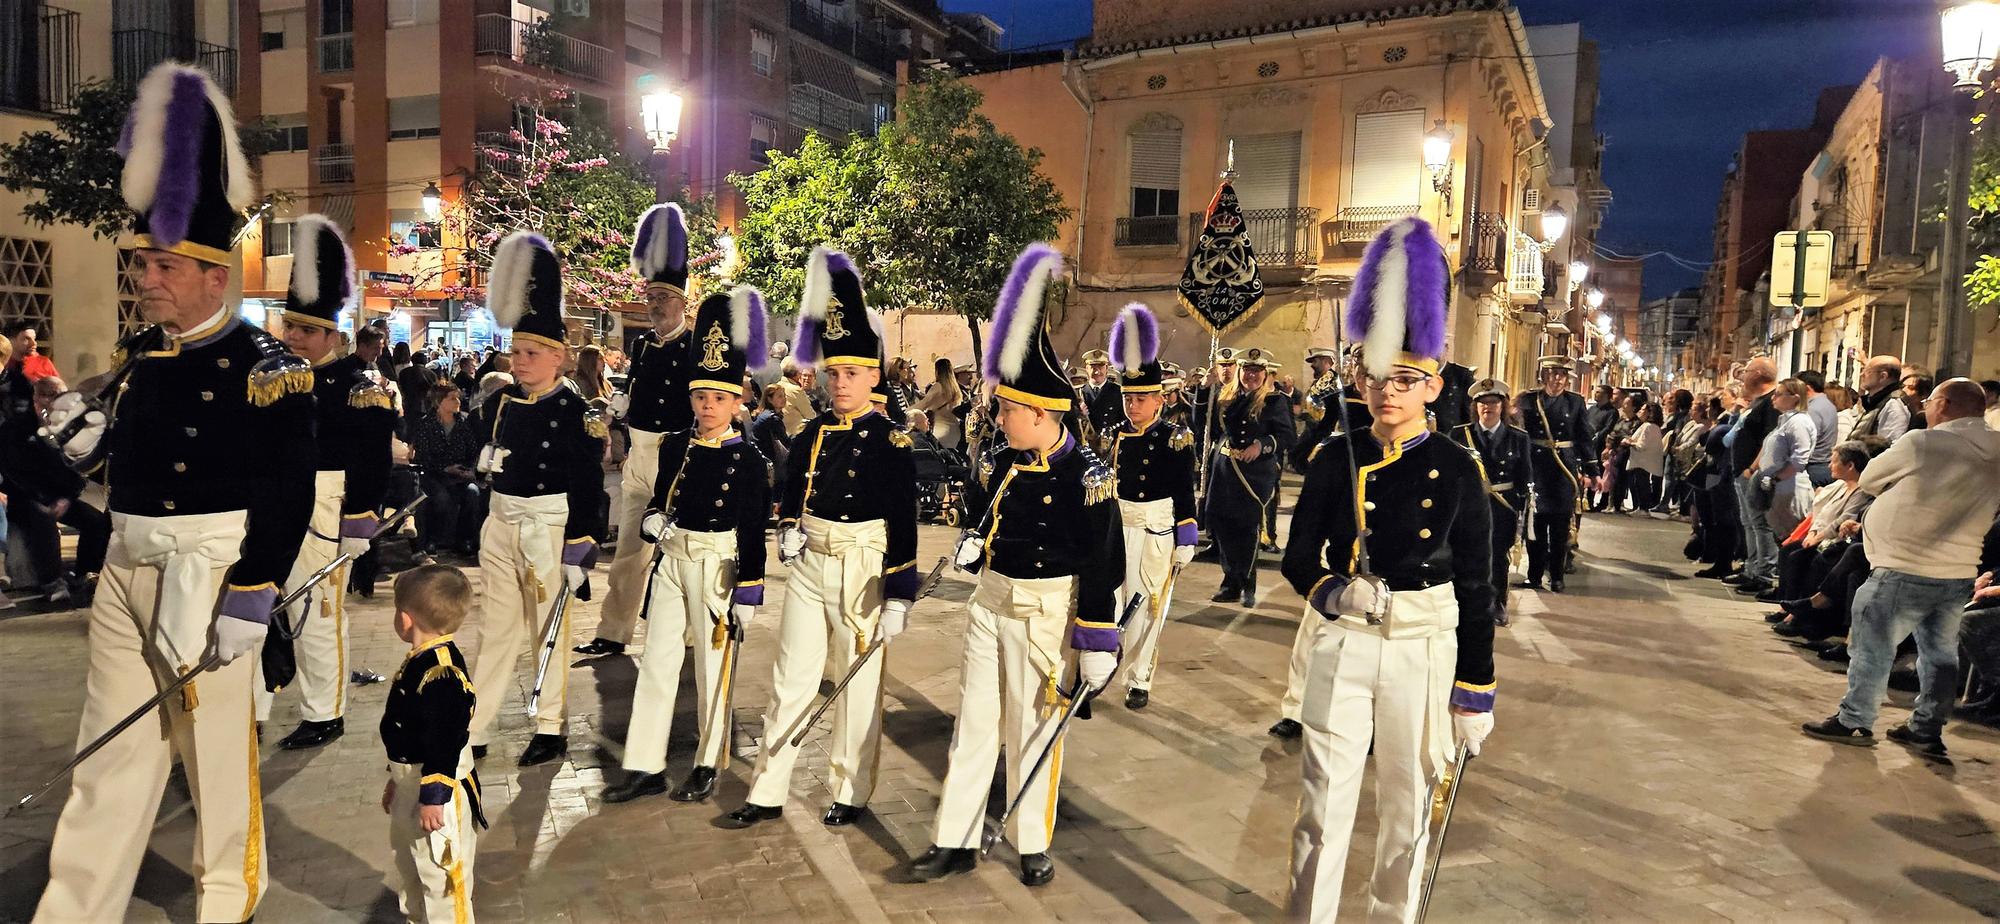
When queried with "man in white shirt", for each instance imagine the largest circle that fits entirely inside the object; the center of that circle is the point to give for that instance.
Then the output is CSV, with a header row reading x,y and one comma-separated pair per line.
x,y
1826,428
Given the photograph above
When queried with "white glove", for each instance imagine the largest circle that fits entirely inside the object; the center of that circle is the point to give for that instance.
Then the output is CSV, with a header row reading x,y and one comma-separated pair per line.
x,y
354,545
1183,554
1096,668
791,543
895,618
574,576
492,459
655,527
970,550
1365,595
1471,730
742,613
235,638
620,404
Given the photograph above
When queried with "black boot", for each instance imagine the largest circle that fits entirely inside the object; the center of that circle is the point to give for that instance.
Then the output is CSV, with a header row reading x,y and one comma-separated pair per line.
x,y
1137,699
1556,584
542,749
1037,869
313,734
840,815
699,786
750,814
1228,593
600,646
939,862
1249,595
636,785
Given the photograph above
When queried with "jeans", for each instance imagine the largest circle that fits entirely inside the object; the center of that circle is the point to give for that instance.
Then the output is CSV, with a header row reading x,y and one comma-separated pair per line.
x,y
1890,606
1760,547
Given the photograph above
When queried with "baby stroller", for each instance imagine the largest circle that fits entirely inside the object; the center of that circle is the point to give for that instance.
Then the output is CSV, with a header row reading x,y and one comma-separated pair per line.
x,y
941,475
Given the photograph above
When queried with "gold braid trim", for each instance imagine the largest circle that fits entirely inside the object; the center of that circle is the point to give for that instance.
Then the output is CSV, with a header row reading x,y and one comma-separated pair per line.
x,y
1099,485
370,395
595,426
899,439
272,381
1181,439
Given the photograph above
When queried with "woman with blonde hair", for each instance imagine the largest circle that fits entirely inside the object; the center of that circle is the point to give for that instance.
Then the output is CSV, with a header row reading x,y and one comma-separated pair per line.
x,y
941,403
590,378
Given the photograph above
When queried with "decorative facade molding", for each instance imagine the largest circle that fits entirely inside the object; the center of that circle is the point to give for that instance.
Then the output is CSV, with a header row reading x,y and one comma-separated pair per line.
x,y
1154,122
1268,98
1389,100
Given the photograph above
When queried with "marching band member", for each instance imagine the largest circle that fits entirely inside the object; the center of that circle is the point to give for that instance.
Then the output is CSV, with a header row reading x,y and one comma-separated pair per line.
x,y
1154,461
200,537
655,404
1389,545
1049,549
544,453
1554,419
847,524
355,419
1505,454
1103,395
707,516
1256,431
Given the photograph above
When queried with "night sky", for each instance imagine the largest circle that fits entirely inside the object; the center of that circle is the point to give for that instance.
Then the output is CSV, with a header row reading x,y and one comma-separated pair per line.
x,y
1682,80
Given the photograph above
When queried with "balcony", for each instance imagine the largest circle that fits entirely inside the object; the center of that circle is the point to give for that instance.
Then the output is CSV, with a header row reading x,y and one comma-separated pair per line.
x,y
335,53
1525,281
1151,231
1487,255
1850,252
49,84
135,51
539,45
869,45
1282,237
499,152
333,164
1360,225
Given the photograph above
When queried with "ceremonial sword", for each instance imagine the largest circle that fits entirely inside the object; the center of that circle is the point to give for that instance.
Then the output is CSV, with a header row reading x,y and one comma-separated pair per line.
x,y
212,661
388,528
924,589
1452,783
550,636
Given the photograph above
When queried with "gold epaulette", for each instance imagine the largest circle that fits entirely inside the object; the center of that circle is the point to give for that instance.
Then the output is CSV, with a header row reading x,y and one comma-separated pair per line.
x,y
369,394
1181,438
277,376
444,668
900,439
595,426
1099,484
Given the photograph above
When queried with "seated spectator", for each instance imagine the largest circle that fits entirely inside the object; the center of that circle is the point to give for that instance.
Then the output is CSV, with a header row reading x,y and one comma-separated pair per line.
x,y
43,494
1811,585
1935,499
444,449
26,359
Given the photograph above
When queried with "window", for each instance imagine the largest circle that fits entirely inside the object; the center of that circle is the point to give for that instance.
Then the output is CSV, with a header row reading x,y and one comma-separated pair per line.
x,y
1388,159
763,48
413,117
277,238
763,135
27,283
1156,174
411,228
1267,169
271,41
288,132
412,12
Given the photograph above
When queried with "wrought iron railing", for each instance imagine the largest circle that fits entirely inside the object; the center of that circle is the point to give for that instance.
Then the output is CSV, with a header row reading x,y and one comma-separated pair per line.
x,y
38,70
335,53
333,164
1149,231
1524,267
135,51
1359,225
538,44
1282,237
1489,243
869,45
498,153
1849,247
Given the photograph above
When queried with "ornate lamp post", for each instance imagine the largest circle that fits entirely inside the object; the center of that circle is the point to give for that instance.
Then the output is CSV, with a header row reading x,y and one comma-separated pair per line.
x,y
1971,37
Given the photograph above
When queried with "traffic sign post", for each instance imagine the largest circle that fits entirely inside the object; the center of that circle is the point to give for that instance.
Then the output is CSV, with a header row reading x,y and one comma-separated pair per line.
x,y
1801,268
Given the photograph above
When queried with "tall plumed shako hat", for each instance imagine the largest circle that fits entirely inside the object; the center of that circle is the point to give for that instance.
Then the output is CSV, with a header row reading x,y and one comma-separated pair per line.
x,y
525,289
728,339
1135,350
1021,365
185,172
836,326
322,273
1398,312
660,247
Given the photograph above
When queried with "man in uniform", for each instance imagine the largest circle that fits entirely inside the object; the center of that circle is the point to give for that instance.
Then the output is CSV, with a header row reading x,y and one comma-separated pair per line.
x,y
1049,551
1389,546
200,535
655,404
356,417
1256,432
707,516
1555,419
544,454
1504,454
1103,397
847,525
1153,458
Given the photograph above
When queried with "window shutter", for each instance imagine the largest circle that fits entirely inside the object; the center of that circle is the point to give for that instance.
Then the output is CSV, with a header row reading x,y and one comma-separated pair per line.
x,y
1267,171
1156,160
1388,159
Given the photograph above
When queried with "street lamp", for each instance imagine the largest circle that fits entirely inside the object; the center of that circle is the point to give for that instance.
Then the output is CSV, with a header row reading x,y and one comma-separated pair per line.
x,y
1594,298
660,114
1554,222
1578,271
433,200
1604,323
1437,158
1971,33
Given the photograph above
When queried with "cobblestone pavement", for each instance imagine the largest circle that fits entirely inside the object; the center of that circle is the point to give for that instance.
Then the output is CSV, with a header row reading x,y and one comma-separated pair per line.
x,y
1647,765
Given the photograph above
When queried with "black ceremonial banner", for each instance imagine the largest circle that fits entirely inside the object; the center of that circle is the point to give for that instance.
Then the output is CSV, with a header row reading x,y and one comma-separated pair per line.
x,y
1220,284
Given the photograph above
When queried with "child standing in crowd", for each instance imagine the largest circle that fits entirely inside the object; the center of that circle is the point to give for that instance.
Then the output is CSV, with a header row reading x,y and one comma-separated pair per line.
x,y
432,796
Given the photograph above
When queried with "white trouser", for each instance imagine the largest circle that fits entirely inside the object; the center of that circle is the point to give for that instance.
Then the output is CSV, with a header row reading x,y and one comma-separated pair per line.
x,y
1390,685
832,601
434,870
321,648
1007,689
626,582
520,555
1149,562
690,601
1300,661
151,622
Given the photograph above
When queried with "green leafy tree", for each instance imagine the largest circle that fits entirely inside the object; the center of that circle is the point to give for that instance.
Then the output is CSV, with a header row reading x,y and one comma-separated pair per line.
x,y
822,194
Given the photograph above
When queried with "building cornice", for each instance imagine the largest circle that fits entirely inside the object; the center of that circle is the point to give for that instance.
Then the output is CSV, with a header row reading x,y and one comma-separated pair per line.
x,y
1385,13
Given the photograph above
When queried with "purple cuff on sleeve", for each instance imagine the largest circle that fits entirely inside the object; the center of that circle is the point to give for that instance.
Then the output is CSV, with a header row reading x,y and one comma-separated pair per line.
x,y
1465,697
1323,594
361,526
250,605
1086,638
749,595
1184,534
434,794
901,585
580,552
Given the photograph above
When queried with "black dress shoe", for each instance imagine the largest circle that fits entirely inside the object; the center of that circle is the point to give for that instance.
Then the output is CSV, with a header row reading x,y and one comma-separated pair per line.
x,y
1837,653
1789,630
313,734
1287,729
1769,596
479,752
840,815
1037,869
1713,571
939,862
1137,699
1802,607
1556,585
1778,616
699,786
1752,589
636,785
1533,583
1269,548
600,646
1227,594
1735,577
750,814
1249,598
542,749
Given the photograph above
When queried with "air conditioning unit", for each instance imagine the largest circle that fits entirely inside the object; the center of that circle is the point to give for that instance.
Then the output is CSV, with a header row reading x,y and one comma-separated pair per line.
x,y
1531,200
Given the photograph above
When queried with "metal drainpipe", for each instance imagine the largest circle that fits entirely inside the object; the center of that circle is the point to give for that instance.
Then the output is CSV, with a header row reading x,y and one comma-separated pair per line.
x,y
1082,98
